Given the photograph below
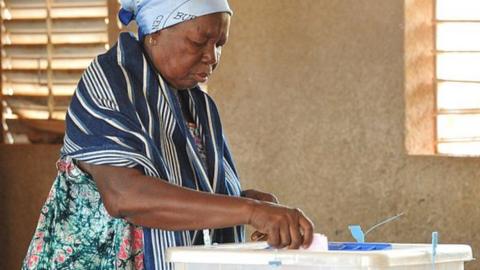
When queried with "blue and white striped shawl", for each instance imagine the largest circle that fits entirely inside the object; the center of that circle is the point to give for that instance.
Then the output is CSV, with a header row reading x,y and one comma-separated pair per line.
x,y
124,114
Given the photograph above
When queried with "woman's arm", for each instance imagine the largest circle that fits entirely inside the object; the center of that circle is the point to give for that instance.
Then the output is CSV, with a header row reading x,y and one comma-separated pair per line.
x,y
146,201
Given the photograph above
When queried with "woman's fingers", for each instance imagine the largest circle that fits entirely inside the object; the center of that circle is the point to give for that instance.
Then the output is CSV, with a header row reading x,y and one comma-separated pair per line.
x,y
273,198
261,196
295,235
285,234
307,228
258,236
274,237
289,230
285,227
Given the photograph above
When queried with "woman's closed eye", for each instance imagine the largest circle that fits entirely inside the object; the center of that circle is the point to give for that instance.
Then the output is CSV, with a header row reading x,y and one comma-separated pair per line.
x,y
203,43
199,43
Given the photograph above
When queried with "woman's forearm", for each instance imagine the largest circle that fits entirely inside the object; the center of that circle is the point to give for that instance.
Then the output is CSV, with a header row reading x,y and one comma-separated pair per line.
x,y
155,203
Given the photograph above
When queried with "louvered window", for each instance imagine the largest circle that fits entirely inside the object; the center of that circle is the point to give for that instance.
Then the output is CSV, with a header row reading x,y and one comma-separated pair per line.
x,y
46,45
458,76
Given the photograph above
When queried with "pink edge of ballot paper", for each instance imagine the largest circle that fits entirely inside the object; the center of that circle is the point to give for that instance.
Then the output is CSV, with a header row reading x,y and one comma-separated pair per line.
x,y
319,243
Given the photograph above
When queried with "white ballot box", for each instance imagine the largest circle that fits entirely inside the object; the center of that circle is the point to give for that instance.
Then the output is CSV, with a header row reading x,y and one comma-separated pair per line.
x,y
251,256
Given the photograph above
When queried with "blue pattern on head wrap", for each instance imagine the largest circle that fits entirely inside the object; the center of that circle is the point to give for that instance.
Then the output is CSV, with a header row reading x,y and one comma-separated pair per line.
x,y
125,16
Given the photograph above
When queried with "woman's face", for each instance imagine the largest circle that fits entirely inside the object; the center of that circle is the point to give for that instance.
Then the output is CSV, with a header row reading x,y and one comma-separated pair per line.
x,y
187,53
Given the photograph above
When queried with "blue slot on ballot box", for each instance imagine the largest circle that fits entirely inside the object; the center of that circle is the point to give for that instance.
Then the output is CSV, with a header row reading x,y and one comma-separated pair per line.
x,y
347,246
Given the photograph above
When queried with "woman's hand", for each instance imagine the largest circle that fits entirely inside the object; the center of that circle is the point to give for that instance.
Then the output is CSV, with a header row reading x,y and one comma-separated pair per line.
x,y
282,226
261,196
300,228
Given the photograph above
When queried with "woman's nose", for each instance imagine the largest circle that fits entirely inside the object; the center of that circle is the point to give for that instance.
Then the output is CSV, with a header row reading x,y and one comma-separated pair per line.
x,y
211,54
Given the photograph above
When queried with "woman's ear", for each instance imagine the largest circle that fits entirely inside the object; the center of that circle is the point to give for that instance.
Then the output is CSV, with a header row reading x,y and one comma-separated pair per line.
x,y
151,40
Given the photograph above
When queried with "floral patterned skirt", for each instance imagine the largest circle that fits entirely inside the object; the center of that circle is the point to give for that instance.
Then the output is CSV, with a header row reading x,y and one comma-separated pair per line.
x,y
75,231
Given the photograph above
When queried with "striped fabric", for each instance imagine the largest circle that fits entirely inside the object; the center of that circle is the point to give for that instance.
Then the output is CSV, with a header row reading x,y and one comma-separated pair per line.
x,y
124,114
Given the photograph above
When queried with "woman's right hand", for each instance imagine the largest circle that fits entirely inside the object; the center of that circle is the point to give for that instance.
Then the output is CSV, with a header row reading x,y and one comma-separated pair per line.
x,y
284,226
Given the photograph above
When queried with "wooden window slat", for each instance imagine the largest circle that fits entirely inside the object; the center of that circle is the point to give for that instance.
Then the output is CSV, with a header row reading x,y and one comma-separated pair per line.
x,y
46,45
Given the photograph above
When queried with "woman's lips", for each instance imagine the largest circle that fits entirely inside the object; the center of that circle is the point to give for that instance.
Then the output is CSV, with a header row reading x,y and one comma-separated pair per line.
x,y
201,77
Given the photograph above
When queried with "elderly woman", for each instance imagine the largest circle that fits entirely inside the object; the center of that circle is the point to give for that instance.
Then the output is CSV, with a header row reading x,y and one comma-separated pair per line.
x,y
145,165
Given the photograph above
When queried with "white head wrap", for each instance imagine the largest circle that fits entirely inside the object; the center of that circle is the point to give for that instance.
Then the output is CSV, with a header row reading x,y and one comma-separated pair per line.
x,y
154,15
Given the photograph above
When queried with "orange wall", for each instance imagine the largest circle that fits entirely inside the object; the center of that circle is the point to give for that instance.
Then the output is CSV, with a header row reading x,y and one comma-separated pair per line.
x,y
26,174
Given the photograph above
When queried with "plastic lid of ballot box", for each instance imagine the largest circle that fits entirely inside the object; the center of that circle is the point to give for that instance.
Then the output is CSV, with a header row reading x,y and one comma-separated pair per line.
x,y
258,256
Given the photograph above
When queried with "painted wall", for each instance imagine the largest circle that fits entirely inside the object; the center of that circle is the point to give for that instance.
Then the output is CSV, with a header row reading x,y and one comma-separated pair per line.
x,y
26,175
312,98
